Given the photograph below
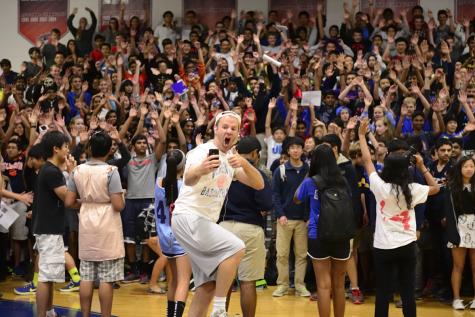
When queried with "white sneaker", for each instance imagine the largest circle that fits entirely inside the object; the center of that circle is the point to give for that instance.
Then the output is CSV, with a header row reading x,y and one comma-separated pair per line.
x,y
220,313
472,304
280,291
301,290
458,304
51,313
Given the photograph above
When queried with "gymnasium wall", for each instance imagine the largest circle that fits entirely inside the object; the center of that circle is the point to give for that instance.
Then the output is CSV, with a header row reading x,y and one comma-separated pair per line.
x,y
15,47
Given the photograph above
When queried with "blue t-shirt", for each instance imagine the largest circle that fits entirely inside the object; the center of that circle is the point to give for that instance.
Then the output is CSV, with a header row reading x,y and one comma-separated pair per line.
x,y
307,193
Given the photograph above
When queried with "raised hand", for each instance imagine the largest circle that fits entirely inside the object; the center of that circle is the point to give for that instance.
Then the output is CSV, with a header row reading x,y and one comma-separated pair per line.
x,y
167,113
132,112
74,132
352,123
392,89
462,97
154,115
59,121
293,104
272,103
443,93
415,89
175,118
70,163
143,111
469,127
428,71
364,126
368,101
33,118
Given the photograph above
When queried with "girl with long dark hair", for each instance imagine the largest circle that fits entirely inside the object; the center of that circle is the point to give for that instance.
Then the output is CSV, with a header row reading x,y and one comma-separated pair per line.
x,y
329,259
395,234
166,192
460,223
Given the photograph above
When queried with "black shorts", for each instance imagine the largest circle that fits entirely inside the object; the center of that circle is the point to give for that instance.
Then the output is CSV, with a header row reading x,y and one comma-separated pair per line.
x,y
321,250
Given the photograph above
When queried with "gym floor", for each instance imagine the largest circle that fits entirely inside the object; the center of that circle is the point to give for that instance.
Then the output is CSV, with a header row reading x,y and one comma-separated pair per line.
x,y
132,300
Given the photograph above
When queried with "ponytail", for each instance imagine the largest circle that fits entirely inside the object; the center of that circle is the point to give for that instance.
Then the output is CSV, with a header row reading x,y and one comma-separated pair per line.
x,y
169,182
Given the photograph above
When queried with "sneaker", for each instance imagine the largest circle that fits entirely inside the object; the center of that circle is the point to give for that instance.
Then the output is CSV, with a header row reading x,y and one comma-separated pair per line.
x,y
27,289
131,278
472,304
163,277
314,297
71,287
144,279
458,304
302,291
356,296
347,293
428,289
280,291
220,313
51,313
156,290
192,285
398,304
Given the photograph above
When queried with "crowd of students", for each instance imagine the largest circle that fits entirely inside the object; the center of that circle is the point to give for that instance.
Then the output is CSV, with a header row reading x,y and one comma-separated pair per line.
x,y
129,102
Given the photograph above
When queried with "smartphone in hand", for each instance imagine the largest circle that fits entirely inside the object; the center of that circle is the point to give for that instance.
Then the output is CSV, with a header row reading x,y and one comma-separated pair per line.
x,y
213,152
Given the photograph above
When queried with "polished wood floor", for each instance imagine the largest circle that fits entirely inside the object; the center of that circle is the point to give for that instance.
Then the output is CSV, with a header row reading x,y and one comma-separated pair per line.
x,y
132,300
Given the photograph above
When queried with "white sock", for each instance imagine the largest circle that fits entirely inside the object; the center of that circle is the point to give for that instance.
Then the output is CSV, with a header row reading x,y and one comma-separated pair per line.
x,y
219,303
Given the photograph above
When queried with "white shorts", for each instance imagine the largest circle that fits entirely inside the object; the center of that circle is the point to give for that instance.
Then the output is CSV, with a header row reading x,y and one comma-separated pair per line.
x,y
51,257
206,243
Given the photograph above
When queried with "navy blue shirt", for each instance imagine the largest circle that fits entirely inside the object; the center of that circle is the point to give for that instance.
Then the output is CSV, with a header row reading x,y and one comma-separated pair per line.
x,y
283,191
245,204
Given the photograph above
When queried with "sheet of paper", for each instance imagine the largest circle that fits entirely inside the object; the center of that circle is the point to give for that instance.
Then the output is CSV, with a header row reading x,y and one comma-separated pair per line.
x,y
7,216
313,97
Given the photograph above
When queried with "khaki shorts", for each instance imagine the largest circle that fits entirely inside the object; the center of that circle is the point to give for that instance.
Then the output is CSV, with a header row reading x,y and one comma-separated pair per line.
x,y
19,230
252,266
51,257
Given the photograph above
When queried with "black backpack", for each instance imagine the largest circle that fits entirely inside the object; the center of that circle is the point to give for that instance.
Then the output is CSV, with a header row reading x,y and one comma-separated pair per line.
x,y
336,222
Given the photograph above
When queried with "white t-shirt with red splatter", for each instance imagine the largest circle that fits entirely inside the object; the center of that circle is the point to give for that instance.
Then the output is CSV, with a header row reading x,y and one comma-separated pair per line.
x,y
395,224
206,197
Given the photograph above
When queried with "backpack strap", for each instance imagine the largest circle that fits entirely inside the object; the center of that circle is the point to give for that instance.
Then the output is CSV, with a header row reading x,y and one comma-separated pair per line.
x,y
319,182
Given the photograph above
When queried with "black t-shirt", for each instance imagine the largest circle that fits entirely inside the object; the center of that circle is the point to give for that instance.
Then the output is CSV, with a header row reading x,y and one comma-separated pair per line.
x,y
48,209
436,203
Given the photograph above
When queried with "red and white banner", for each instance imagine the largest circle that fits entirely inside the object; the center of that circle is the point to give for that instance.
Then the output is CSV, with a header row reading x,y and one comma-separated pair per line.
x,y
295,6
37,18
111,9
464,9
210,11
395,5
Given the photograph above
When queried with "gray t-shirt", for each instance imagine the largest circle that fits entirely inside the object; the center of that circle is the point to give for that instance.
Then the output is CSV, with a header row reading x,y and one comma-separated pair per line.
x,y
141,177
113,179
